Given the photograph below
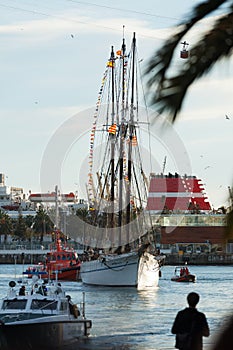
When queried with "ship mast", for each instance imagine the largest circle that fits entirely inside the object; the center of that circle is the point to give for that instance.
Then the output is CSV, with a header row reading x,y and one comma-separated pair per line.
x,y
112,140
164,164
122,137
131,132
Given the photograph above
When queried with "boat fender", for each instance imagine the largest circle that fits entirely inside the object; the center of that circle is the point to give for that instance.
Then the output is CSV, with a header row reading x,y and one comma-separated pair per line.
x,y
160,273
75,310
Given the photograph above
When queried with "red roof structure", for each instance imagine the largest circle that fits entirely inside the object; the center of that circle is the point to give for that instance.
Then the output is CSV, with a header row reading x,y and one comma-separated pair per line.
x,y
51,197
169,193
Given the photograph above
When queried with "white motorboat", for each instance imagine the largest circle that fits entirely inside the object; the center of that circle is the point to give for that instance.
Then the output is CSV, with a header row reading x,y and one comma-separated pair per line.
x,y
40,316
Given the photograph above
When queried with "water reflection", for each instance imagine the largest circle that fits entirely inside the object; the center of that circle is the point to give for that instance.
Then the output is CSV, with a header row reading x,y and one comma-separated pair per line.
x,y
149,297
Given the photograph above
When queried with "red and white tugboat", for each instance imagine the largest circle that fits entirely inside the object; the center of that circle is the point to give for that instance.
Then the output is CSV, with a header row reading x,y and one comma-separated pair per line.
x,y
62,261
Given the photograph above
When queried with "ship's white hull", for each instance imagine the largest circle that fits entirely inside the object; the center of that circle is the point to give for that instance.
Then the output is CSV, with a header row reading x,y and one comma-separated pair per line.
x,y
122,270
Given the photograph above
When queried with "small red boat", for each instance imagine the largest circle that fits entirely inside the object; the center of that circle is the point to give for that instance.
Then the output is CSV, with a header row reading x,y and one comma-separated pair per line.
x,y
62,261
182,274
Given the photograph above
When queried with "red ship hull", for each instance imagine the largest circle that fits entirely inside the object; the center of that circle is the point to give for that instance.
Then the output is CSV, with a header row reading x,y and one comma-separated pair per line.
x,y
61,263
187,278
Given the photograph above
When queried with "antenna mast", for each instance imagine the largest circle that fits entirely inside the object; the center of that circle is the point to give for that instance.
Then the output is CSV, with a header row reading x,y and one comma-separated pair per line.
x,y
164,163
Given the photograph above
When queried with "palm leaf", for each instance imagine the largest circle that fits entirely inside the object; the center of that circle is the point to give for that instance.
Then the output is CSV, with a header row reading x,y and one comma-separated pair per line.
x,y
168,93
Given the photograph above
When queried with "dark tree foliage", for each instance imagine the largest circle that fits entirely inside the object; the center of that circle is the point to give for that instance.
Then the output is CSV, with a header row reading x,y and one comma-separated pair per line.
x,y
167,92
42,223
20,227
6,226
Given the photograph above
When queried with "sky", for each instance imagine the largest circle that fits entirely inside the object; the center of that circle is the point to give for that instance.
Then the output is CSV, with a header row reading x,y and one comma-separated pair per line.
x,y
53,55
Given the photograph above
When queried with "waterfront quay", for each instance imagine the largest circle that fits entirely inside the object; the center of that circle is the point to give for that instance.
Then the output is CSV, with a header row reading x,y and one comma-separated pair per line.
x,y
200,259
21,256
26,253
34,255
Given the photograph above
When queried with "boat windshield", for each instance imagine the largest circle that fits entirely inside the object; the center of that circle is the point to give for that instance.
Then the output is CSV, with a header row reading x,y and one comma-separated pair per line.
x,y
43,304
14,304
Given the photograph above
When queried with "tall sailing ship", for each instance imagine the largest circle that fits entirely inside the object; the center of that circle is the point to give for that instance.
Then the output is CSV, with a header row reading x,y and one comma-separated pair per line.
x,y
123,249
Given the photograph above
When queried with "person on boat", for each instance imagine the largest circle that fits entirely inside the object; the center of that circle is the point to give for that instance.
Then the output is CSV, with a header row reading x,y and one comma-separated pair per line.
x,y
186,271
127,248
22,290
42,289
59,289
190,325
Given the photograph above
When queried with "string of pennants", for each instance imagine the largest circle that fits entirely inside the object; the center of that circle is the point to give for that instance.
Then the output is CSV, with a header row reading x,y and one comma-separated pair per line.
x,y
93,130
112,129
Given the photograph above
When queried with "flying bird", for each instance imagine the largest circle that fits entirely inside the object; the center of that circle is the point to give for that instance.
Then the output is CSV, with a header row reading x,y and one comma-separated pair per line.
x,y
227,117
72,35
208,166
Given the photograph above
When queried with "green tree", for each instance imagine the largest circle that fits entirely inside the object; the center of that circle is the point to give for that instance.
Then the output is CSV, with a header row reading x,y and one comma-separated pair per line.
x,y
82,213
6,226
42,223
20,227
29,219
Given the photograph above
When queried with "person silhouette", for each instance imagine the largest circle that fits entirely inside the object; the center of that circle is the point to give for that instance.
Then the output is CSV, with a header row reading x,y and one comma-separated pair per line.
x,y
22,290
190,325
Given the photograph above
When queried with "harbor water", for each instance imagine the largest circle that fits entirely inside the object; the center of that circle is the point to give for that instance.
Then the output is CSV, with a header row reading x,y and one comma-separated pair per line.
x,y
124,318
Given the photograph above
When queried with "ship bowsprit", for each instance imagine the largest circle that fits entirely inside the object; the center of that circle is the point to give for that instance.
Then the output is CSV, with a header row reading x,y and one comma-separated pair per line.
x,y
148,271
